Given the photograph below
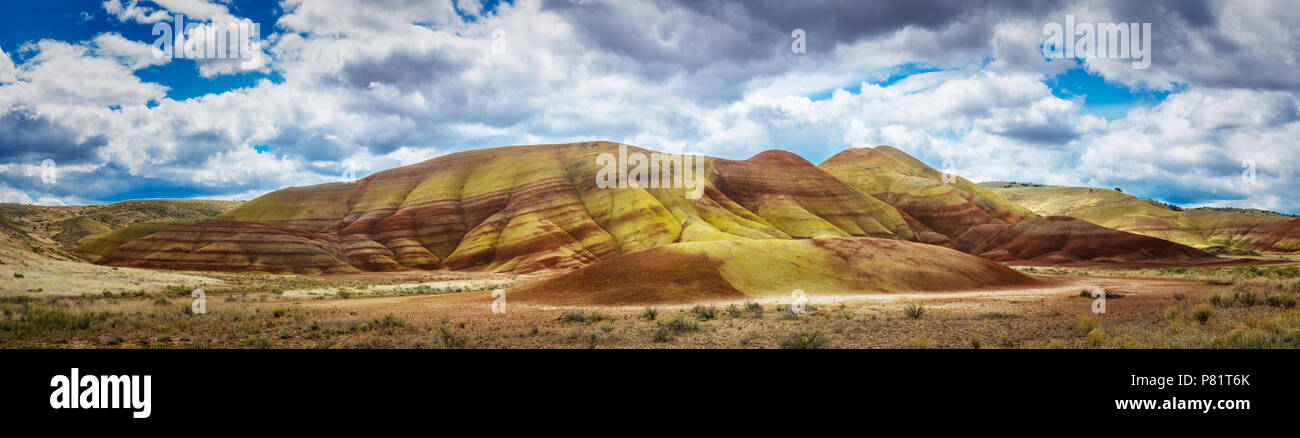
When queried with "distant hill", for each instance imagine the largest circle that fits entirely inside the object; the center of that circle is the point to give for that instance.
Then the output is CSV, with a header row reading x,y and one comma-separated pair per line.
x,y
60,231
1219,230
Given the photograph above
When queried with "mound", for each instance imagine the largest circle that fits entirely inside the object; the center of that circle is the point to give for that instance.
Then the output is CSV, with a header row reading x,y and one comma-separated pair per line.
x,y
94,247
948,207
232,246
1278,237
58,232
1061,240
1235,230
742,269
539,208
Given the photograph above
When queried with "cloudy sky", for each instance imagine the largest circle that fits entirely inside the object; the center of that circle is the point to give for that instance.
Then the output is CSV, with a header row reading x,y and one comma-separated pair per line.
x,y
963,85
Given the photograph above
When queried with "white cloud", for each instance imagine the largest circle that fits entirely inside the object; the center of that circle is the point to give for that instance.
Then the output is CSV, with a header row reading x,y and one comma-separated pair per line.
x,y
132,54
132,11
471,7
7,71
393,82
66,74
10,196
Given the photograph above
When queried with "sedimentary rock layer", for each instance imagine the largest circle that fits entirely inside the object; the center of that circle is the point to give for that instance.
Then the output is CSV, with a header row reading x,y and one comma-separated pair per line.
x,y
752,269
1061,240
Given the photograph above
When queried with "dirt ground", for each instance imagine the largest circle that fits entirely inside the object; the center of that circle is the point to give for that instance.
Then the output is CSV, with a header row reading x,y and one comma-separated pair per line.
x,y
432,311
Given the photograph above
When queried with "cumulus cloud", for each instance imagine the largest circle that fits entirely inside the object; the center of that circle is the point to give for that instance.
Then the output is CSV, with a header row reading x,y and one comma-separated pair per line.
x,y
384,83
60,73
132,11
7,71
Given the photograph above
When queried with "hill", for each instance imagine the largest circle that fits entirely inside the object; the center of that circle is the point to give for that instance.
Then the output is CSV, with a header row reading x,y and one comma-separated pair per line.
x,y
1226,231
61,232
948,207
537,208
753,269
559,208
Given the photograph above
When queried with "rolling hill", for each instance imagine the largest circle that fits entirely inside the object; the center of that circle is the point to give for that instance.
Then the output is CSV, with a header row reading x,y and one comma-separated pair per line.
x,y
547,209
74,232
948,208
534,208
1223,231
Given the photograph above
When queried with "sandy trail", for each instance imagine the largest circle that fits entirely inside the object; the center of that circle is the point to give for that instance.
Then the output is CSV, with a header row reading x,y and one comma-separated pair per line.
x,y
484,299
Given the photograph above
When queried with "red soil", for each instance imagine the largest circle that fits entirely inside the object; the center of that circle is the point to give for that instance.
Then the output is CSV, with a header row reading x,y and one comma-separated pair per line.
x,y
1061,240
232,246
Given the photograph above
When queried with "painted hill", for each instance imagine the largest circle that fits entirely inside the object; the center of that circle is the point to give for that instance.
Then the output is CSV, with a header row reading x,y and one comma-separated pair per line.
x,y
1063,240
233,246
1226,231
746,269
536,208
914,188
60,232
554,208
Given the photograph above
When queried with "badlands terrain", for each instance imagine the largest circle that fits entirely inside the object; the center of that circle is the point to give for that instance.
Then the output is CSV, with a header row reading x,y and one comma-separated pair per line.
x,y
521,247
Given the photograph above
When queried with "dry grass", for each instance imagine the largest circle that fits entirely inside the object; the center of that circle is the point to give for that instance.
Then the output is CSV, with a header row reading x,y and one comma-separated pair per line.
x,y
246,312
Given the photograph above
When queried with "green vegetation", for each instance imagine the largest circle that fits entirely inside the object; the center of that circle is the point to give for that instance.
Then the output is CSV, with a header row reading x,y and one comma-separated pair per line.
x,y
579,315
676,325
802,339
705,313
914,310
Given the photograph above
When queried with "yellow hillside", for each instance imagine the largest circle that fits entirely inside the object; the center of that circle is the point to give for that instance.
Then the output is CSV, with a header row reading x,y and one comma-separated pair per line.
x,y
1226,231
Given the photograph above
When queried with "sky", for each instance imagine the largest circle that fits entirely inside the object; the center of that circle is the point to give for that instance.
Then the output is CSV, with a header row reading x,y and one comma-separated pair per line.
x,y
963,85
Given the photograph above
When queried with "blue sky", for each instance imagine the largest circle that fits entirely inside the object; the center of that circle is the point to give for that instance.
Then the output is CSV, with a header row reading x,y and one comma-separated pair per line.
x,y
372,85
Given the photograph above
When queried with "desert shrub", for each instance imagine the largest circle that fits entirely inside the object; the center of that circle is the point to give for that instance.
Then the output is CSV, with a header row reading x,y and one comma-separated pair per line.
x,y
650,313
1284,301
1180,297
975,341
802,339
177,290
1202,313
451,339
1170,314
161,301
1125,341
1221,301
388,321
1246,298
279,312
1088,322
914,310
733,311
591,338
704,313
17,275
754,310
573,315
1242,337
606,326
671,327
1097,337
